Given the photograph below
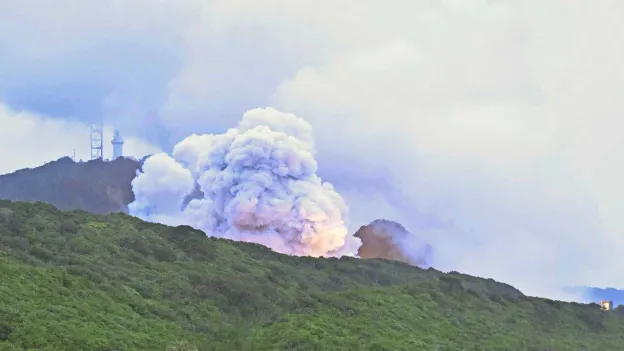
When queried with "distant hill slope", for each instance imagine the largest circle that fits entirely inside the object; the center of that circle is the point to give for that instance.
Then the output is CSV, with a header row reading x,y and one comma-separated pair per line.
x,y
81,281
94,186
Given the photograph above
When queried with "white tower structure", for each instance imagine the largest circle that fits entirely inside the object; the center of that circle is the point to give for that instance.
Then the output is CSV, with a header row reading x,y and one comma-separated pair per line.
x,y
117,145
96,141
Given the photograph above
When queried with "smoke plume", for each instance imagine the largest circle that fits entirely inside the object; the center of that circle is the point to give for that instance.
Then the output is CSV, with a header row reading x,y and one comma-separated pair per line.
x,y
256,183
390,240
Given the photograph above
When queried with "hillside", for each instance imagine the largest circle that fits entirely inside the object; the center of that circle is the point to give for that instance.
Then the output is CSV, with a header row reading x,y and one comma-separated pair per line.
x,y
80,281
94,186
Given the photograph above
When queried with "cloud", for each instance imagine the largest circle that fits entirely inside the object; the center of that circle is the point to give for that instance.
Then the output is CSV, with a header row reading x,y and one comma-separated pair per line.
x,y
490,128
91,61
29,140
257,183
481,128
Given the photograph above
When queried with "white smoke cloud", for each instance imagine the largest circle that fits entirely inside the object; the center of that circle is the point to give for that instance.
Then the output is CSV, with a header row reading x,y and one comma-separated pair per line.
x,y
258,183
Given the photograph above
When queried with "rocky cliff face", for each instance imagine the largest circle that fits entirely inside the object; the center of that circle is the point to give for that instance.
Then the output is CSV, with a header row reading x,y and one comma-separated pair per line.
x,y
95,186
390,240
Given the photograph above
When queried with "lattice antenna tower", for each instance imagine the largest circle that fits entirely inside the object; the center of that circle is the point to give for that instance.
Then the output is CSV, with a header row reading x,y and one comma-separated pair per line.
x,y
97,141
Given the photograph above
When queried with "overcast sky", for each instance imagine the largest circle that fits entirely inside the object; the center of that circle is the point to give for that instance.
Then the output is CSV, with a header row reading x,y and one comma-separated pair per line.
x,y
490,127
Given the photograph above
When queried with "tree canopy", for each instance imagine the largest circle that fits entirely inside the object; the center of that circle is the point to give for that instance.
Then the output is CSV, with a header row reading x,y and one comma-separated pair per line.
x,y
81,281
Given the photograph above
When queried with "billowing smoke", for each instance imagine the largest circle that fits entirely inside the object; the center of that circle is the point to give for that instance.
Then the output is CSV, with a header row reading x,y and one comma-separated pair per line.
x,y
256,183
390,240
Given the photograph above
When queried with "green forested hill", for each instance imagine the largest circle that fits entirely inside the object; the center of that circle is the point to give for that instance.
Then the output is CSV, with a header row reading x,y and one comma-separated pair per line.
x,y
95,186
80,281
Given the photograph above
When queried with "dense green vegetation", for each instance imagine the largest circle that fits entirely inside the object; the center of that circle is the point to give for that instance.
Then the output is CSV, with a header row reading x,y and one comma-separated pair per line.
x,y
94,186
80,281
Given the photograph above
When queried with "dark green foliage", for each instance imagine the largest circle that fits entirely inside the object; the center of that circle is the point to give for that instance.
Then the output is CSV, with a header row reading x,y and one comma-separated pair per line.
x,y
94,186
80,281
